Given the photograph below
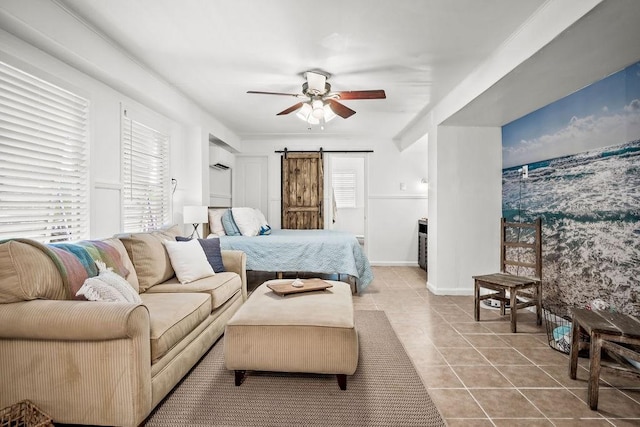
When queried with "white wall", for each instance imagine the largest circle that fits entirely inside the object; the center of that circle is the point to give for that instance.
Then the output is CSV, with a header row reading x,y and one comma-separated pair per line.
x,y
392,214
220,190
464,206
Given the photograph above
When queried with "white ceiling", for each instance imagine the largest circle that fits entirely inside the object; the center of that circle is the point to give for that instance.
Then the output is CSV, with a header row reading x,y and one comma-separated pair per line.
x,y
214,51
604,41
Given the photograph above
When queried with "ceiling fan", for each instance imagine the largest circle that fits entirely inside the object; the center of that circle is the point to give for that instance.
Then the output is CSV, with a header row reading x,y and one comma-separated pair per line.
x,y
322,104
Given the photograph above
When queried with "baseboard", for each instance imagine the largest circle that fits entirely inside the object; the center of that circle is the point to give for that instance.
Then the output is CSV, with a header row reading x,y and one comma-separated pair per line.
x,y
448,291
393,264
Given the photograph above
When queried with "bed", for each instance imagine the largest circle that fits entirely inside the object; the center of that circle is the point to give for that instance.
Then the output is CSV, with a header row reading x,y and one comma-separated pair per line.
x,y
313,251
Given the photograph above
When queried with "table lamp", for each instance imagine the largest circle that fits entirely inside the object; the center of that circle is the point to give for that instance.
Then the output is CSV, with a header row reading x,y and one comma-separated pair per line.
x,y
195,215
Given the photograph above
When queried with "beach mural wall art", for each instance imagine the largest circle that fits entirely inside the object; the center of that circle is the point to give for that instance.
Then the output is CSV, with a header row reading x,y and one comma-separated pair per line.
x,y
583,158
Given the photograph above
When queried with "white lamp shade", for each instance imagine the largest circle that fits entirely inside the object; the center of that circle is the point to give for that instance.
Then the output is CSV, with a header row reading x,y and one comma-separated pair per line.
x,y
318,109
195,214
304,111
315,111
328,113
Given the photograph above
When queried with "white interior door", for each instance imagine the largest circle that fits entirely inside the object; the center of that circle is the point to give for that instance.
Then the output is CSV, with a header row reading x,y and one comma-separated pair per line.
x,y
252,177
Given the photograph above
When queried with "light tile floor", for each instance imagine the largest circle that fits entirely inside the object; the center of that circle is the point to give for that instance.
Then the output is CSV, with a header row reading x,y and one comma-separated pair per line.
x,y
480,374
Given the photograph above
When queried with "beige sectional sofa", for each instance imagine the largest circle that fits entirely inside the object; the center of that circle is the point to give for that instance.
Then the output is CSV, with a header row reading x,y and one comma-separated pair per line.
x,y
107,363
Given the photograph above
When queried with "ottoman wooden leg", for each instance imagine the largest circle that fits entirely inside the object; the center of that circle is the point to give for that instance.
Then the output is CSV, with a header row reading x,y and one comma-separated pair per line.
x,y
239,377
342,381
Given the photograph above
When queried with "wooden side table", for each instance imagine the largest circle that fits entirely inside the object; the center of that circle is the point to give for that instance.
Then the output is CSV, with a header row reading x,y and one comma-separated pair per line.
x,y
606,330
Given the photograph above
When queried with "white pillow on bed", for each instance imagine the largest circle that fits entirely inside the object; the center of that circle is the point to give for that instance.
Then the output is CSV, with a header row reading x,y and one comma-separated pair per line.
x,y
215,222
260,217
246,221
265,228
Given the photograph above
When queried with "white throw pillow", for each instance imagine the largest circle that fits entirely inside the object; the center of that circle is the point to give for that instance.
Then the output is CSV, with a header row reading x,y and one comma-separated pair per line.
x,y
118,282
188,260
261,218
265,228
246,221
215,222
94,289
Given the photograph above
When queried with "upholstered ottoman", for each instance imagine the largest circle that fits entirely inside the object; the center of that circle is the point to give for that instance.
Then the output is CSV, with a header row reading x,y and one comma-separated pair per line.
x,y
306,332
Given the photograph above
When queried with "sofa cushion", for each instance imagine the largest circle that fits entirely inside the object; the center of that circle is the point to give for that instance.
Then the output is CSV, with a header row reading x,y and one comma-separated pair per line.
x,y
27,273
172,317
220,287
149,257
188,260
171,230
211,248
132,276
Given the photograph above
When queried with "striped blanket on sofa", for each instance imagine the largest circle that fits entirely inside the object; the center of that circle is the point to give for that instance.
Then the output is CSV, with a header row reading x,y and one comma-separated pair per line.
x,y
76,262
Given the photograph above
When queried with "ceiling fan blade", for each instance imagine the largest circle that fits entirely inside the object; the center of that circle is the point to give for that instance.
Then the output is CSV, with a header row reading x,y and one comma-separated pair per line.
x,y
290,109
316,82
274,93
340,109
362,94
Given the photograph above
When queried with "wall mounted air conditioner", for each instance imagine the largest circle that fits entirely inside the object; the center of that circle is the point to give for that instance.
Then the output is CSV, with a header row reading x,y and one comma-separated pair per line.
x,y
219,158
219,166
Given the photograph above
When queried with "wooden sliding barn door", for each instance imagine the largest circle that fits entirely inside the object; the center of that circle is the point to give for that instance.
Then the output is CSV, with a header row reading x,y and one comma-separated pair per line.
x,y
302,191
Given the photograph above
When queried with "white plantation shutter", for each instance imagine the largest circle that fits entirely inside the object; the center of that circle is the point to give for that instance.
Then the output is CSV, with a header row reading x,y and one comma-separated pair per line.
x,y
344,188
43,159
145,176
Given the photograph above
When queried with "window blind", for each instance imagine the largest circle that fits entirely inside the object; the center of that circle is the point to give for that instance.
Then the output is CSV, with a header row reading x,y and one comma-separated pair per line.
x,y
344,188
43,159
146,181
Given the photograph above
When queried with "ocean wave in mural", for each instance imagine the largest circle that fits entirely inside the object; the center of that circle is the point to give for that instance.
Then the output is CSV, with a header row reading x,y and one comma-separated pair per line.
x,y
590,209
587,194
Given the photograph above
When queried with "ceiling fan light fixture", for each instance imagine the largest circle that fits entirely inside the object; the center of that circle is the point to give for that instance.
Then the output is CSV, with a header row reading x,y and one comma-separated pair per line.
x,y
304,112
321,105
328,113
318,109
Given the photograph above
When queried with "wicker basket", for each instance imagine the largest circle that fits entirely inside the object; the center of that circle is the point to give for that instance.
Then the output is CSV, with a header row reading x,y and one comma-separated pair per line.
x,y
24,414
558,325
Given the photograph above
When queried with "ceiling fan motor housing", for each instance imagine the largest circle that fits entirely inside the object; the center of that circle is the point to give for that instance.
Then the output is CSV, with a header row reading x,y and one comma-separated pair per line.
x,y
314,92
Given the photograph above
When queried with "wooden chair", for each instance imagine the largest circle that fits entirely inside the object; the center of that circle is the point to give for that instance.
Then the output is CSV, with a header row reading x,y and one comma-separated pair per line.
x,y
524,291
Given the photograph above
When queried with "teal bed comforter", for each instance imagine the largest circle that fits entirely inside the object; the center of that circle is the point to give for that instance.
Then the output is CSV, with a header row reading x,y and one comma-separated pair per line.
x,y
315,251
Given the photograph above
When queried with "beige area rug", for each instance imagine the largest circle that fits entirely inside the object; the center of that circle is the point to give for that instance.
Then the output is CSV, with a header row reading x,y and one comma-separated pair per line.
x,y
385,391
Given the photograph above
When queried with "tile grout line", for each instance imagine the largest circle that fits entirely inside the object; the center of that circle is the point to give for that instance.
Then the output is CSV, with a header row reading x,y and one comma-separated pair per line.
x,y
404,282
509,381
460,379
